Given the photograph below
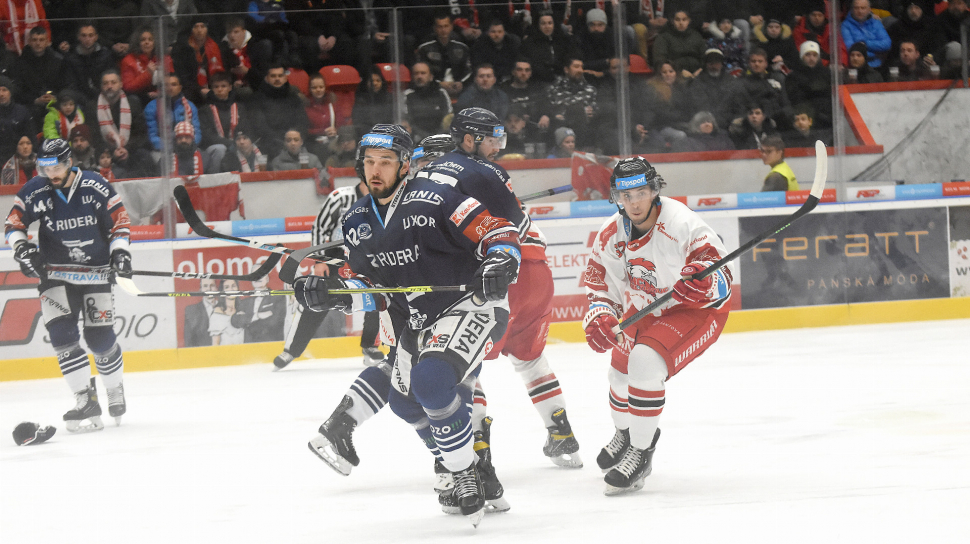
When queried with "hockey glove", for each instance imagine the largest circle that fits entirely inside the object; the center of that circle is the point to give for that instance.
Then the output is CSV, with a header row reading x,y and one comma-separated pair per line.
x,y
28,433
499,270
313,292
121,263
30,260
695,293
601,325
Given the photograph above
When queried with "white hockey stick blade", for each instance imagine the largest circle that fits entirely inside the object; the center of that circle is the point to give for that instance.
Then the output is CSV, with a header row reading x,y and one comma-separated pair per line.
x,y
129,286
821,170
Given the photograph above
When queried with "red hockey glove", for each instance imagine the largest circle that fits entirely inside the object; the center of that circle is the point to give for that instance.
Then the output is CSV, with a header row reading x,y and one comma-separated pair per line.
x,y
600,325
694,293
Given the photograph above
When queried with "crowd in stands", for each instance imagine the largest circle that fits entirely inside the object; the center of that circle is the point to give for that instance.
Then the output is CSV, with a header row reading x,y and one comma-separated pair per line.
x,y
242,85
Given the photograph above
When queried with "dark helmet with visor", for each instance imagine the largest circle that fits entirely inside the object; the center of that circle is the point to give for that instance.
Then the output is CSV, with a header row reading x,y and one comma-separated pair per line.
x,y
392,137
54,153
480,123
633,173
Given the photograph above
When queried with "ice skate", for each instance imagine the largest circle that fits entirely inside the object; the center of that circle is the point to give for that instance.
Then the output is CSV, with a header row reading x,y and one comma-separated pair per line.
x,y
491,486
561,445
335,445
469,494
373,356
611,453
443,481
116,403
282,360
87,410
629,474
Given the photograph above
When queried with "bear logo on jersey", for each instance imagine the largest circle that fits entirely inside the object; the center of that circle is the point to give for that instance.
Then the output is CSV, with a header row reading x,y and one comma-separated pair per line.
x,y
642,274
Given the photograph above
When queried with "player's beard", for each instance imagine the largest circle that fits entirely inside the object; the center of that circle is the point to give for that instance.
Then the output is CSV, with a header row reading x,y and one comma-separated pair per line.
x,y
60,182
387,190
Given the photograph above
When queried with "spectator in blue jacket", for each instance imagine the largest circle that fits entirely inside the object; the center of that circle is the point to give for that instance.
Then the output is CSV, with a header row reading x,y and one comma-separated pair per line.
x,y
862,26
180,109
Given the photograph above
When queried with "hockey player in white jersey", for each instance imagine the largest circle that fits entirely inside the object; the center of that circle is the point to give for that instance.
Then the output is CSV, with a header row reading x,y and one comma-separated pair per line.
x,y
639,254
82,222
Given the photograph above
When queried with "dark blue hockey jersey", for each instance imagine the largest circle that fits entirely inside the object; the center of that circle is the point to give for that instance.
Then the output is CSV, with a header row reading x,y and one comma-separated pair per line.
x,y
490,184
432,235
78,226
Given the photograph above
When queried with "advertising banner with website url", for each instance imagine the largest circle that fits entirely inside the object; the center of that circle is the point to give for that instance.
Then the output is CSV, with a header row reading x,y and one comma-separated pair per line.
x,y
846,257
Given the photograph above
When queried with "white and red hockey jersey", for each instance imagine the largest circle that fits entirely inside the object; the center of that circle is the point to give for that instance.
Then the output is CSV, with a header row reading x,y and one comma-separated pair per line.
x,y
627,275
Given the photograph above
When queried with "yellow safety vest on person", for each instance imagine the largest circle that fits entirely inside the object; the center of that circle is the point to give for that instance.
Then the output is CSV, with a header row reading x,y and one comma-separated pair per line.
x,y
785,170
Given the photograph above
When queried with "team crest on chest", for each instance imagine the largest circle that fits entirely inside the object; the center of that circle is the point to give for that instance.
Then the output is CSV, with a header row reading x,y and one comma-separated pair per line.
x,y
642,274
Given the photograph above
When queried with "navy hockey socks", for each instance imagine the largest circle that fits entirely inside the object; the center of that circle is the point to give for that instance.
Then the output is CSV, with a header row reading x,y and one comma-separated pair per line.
x,y
75,367
111,366
369,393
448,406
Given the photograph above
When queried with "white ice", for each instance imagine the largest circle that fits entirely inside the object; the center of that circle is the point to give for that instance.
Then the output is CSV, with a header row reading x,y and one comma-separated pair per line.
x,y
849,434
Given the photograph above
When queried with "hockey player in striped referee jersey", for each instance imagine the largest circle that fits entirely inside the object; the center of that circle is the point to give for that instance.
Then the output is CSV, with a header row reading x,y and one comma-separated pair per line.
x,y
326,228
640,254
82,221
419,232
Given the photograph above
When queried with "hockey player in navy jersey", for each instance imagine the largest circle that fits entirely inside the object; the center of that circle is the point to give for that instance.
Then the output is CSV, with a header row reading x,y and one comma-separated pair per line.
x,y
419,232
478,135
82,225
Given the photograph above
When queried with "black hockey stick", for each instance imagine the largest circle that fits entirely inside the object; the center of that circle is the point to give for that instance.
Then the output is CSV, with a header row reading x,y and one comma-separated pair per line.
x,y
192,218
256,274
292,264
547,192
818,187
130,287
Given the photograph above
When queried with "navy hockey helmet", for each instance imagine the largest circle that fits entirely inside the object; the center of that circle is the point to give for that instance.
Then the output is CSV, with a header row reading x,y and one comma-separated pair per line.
x,y
478,122
392,137
633,173
54,152
431,148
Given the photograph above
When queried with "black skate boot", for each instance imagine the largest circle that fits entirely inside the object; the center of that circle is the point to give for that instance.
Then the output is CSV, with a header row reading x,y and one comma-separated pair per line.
x,y
282,360
443,481
561,445
469,494
611,453
116,403
335,444
373,356
629,474
491,486
87,409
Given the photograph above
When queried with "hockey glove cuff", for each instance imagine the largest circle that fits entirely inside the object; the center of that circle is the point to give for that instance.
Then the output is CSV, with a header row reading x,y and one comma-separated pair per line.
x,y
30,260
121,263
499,270
28,433
601,325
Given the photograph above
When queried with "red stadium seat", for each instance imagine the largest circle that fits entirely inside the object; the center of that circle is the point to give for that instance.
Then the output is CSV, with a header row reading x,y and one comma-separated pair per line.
x,y
299,79
392,72
638,65
340,76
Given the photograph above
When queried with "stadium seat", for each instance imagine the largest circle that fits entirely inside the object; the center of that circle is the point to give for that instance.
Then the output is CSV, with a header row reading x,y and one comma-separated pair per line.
x,y
392,72
299,79
638,65
340,76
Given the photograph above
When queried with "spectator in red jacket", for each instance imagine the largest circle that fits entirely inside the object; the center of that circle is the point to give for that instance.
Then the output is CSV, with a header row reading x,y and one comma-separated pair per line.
x,y
139,69
815,27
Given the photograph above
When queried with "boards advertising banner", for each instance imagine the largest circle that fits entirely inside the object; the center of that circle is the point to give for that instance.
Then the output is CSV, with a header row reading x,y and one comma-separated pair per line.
x,y
960,251
847,257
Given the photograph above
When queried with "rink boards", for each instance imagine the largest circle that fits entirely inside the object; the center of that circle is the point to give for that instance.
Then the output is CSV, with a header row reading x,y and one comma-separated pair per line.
x,y
843,264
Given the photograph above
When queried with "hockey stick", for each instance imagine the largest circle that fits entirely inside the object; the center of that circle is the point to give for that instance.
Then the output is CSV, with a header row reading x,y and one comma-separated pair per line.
x,y
195,223
256,274
547,192
130,287
818,186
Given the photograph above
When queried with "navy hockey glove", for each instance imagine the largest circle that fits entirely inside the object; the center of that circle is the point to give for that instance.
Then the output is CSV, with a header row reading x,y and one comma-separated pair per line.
x,y
121,263
313,292
499,270
30,260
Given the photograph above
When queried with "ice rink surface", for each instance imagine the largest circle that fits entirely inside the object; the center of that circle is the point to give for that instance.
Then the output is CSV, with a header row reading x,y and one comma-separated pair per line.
x,y
850,434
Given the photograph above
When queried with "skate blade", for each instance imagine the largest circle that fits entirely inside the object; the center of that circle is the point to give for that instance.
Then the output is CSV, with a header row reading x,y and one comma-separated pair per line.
x,y
494,506
117,421
611,491
323,449
78,426
568,460
476,517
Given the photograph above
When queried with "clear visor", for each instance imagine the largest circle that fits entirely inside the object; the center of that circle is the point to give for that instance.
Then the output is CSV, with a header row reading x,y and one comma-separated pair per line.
x,y
496,141
629,197
51,167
